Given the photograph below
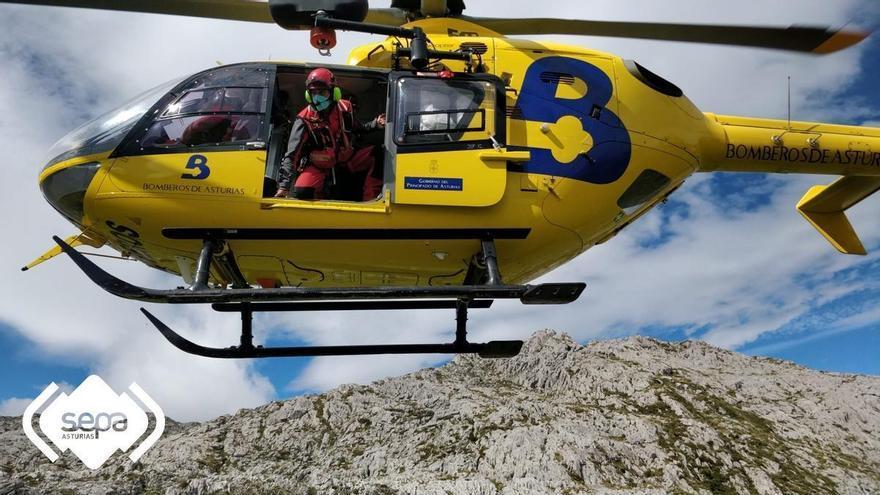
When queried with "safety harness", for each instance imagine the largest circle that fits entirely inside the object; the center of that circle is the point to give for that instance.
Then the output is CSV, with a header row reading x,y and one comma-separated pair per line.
x,y
332,138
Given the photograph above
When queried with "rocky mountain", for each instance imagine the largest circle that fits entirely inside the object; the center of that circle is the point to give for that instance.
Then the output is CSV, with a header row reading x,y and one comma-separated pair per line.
x,y
622,416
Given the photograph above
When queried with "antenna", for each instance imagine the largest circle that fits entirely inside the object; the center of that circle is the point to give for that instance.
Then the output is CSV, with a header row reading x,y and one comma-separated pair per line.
x,y
789,103
777,138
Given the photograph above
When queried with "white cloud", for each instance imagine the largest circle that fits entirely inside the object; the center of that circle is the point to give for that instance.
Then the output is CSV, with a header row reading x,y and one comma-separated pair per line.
x,y
856,322
90,63
735,274
14,406
727,80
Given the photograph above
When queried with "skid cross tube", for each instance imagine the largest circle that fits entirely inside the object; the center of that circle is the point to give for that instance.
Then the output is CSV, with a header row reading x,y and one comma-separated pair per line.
x,y
461,308
203,266
490,258
247,327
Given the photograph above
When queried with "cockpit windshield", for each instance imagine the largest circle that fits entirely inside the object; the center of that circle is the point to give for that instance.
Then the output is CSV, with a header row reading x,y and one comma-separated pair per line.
x,y
105,132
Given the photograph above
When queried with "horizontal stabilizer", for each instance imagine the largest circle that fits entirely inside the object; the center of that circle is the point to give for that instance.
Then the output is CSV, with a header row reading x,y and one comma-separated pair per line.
x,y
74,241
825,208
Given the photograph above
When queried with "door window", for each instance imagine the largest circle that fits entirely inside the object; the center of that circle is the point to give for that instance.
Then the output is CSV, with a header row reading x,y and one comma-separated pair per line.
x,y
444,111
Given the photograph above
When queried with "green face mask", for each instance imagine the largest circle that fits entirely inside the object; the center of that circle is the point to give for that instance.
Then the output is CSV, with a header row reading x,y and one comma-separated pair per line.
x,y
320,102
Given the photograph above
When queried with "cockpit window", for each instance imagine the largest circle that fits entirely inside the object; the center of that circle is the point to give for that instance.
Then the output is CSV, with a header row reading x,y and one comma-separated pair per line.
x,y
222,109
249,100
242,76
443,111
105,132
202,130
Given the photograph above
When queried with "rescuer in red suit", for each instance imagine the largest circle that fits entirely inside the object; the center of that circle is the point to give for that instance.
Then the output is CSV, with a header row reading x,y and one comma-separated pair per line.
x,y
323,140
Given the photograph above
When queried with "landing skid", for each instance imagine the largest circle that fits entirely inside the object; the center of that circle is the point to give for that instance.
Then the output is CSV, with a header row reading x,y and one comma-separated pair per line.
x,y
246,301
247,349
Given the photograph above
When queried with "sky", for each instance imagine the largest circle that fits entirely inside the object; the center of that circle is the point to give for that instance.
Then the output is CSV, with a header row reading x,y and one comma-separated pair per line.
x,y
727,259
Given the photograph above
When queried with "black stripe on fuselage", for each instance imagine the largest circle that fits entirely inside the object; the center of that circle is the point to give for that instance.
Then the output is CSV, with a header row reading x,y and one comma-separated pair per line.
x,y
344,234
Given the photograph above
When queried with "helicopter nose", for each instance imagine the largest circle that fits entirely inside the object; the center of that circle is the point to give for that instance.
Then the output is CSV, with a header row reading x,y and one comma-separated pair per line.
x,y
66,189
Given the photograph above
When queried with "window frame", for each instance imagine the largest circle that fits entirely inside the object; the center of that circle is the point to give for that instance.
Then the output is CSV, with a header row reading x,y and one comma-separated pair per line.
x,y
500,114
163,115
448,130
130,145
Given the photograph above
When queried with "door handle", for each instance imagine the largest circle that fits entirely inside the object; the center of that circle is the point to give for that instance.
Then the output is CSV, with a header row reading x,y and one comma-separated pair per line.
x,y
506,156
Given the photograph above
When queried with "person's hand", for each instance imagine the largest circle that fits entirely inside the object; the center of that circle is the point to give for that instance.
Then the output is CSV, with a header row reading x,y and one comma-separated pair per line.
x,y
282,193
380,121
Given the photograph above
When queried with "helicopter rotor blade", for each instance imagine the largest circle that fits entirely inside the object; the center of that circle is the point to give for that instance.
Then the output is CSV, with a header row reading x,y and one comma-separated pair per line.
x,y
810,39
819,40
387,17
236,10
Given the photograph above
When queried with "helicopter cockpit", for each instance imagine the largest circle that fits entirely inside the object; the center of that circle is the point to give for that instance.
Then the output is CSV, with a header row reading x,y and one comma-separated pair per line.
x,y
250,107
65,189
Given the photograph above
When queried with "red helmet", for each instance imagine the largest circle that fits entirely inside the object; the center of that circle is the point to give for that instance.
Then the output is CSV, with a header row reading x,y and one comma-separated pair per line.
x,y
321,78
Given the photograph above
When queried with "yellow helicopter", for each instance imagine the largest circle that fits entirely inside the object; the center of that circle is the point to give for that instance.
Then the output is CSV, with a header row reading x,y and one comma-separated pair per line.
x,y
502,159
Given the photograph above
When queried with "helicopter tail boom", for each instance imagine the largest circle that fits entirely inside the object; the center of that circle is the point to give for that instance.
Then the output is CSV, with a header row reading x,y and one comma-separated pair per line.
x,y
742,144
759,145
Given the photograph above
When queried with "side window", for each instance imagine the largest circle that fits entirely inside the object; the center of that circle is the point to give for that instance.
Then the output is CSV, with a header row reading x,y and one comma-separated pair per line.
x,y
211,116
646,187
247,100
436,111
222,109
199,130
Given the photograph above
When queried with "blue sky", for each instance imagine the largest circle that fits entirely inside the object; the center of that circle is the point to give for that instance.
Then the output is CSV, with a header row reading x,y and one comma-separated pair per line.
x,y
727,259
26,373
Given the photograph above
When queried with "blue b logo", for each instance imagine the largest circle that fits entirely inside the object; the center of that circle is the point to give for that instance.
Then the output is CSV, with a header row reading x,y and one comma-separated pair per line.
x,y
610,154
200,163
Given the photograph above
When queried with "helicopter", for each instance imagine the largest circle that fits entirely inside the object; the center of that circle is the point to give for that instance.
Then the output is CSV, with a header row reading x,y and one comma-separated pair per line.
x,y
502,159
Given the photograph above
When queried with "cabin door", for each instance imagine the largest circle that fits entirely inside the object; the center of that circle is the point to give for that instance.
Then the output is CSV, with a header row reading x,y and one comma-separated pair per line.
x,y
448,139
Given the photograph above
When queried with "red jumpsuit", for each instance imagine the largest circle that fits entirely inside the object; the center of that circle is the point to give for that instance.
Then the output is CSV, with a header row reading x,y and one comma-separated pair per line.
x,y
322,141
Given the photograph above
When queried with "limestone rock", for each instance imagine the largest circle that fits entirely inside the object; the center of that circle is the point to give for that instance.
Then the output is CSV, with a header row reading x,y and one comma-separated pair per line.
x,y
630,416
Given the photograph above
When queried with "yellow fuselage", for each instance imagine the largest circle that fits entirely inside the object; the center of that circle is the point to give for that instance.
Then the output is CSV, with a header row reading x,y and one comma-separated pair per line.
x,y
591,145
